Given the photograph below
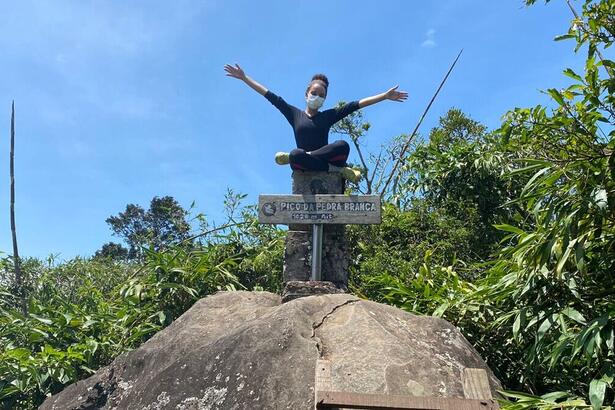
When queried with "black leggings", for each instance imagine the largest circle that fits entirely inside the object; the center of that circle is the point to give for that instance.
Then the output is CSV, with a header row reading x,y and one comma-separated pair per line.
x,y
335,154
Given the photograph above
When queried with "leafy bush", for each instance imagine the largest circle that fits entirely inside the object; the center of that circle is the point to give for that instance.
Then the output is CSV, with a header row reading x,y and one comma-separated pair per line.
x,y
85,312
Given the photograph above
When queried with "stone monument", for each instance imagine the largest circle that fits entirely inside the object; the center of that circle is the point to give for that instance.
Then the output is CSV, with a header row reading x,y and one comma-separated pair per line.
x,y
316,251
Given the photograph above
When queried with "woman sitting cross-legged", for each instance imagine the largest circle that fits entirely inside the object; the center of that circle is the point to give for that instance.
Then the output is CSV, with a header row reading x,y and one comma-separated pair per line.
x,y
311,126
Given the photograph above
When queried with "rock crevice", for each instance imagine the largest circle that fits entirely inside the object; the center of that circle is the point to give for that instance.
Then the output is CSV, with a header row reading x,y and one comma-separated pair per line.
x,y
315,325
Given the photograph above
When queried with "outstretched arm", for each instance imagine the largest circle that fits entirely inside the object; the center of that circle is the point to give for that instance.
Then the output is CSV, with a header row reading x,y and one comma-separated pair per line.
x,y
391,94
277,101
237,72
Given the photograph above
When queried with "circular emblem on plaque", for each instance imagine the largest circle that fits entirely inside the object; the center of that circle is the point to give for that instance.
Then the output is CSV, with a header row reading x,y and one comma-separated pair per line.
x,y
268,208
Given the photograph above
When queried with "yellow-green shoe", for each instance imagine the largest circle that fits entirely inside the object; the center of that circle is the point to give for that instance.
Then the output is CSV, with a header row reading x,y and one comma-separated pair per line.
x,y
282,158
351,174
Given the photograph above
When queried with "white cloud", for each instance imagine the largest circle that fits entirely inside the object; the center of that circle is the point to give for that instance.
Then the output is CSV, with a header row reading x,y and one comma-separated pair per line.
x,y
430,41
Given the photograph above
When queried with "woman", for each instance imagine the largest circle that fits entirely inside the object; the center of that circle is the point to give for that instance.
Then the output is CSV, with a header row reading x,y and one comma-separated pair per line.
x,y
311,127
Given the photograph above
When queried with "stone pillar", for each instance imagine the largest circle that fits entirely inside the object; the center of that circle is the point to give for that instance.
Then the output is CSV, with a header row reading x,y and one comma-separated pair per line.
x,y
298,250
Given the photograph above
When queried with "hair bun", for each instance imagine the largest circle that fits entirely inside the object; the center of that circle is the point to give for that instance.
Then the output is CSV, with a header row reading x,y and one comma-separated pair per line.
x,y
321,77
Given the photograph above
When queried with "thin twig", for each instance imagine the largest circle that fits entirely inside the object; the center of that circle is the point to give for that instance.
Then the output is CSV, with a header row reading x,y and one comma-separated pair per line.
x,y
600,56
376,165
367,180
384,167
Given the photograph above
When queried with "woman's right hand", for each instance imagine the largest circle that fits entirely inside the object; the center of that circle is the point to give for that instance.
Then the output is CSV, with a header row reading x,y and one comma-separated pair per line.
x,y
234,71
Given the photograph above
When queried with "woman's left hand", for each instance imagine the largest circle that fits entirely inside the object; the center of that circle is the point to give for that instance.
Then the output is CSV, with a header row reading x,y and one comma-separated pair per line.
x,y
395,95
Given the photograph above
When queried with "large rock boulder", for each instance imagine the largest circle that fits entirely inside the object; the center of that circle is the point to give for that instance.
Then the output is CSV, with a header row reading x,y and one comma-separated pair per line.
x,y
246,350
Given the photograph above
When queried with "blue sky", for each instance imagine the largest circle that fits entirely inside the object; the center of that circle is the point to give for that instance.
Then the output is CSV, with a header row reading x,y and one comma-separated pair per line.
x,y
120,101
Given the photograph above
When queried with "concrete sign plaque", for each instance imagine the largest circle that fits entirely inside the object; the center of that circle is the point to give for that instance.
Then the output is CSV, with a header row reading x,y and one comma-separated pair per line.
x,y
319,209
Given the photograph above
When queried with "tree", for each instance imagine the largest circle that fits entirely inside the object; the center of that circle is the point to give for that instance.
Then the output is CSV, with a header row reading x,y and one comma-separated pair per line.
x,y
462,168
164,223
113,251
552,289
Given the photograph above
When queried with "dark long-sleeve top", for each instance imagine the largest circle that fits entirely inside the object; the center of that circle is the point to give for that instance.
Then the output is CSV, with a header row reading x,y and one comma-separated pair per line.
x,y
311,133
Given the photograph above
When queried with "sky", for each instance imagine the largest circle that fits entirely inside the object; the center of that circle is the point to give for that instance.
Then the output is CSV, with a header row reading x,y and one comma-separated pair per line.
x,y
118,102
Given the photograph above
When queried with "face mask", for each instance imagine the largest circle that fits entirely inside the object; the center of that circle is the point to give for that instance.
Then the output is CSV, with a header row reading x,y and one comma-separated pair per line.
x,y
315,101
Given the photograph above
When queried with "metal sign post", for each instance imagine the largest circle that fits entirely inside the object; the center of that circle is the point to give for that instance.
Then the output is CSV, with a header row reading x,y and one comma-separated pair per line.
x,y
316,252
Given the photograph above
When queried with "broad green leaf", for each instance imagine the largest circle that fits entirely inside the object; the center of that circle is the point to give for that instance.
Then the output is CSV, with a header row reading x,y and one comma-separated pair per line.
x,y
42,319
564,258
556,95
597,388
527,168
553,397
89,323
574,315
529,185
509,228
517,326
544,327
564,37
570,73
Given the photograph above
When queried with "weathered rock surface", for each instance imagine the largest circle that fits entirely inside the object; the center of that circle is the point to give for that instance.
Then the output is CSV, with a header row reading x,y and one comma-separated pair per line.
x,y
246,350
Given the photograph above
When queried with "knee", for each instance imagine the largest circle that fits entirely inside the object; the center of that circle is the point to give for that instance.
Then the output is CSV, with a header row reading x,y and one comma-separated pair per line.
x,y
296,153
343,146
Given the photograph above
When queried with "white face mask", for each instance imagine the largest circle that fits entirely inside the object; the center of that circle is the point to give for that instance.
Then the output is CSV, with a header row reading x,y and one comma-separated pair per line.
x,y
315,101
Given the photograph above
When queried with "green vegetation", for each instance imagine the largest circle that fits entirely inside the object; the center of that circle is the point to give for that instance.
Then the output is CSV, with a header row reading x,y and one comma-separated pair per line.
x,y
84,312
162,224
526,266
509,234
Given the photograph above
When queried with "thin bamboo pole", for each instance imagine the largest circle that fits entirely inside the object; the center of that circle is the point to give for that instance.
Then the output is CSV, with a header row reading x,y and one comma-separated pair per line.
x,y
16,261
411,137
